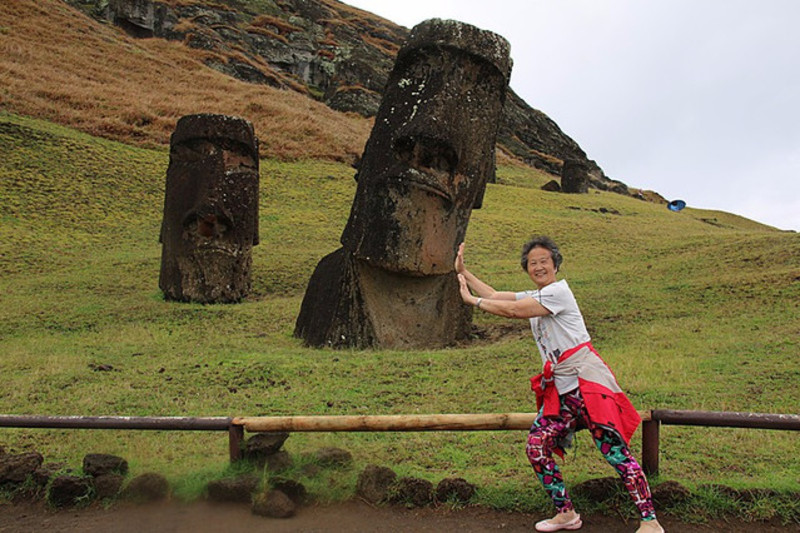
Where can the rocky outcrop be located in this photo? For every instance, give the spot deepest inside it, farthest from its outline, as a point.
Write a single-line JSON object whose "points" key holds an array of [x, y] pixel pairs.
{"points": [[327, 50]]}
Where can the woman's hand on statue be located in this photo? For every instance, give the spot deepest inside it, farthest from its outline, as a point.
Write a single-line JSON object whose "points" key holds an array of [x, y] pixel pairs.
{"points": [[464, 290], [459, 264]]}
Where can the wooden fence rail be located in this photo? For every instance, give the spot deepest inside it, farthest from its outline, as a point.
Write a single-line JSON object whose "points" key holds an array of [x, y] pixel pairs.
{"points": [[652, 421], [651, 427], [165, 423]]}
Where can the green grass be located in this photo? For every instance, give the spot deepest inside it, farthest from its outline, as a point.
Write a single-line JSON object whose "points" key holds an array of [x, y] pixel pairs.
{"points": [[690, 314]]}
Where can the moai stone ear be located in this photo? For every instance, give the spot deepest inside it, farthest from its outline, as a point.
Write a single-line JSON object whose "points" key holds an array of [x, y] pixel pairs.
{"points": [[424, 168], [210, 219]]}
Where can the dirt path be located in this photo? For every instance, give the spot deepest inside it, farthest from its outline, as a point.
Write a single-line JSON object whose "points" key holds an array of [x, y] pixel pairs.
{"points": [[349, 517]]}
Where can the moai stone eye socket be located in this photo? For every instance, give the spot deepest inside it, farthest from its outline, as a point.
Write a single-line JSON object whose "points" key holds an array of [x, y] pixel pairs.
{"points": [[209, 225], [426, 153]]}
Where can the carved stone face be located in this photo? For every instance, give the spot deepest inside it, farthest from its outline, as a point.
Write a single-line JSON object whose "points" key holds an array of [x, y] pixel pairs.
{"points": [[210, 210], [431, 151]]}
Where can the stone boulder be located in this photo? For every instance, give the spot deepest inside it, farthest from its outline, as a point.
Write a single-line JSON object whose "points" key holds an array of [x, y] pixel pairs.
{"points": [[148, 487], [262, 445], [107, 486], [15, 469], [551, 186], [136, 17], [356, 99], [68, 491], [274, 504], [295, 490], [239, 489], [412, 492], [98, 464], [375, 483], [46, 472], [454, 489]]}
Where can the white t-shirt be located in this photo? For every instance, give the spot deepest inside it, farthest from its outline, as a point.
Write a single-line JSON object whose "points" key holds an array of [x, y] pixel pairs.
{"points": [[563, 328]]}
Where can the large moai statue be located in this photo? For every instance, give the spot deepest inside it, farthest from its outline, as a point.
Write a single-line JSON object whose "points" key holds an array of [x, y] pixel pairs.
{"points": [[210, 222], [424, 168]]}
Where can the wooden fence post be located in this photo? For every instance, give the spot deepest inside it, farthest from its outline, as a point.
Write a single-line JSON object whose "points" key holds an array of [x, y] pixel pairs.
{"points": [[650, 431], [235, 438]]}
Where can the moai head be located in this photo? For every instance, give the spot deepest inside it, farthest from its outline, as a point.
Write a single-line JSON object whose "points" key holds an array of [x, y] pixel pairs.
{"points": [[210, 220], [432, 149], [575, 176]]}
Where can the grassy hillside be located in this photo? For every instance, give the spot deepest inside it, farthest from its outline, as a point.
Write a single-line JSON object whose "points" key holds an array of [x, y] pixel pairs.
{"points": [[693, 310]]}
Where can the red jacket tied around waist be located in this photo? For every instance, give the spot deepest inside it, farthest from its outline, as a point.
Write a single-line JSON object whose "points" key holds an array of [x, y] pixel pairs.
{"points": [[606, 403]]}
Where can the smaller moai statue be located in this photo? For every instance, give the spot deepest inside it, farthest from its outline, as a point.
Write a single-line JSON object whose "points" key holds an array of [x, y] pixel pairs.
{"points": [[575, 176], [210, 222]]}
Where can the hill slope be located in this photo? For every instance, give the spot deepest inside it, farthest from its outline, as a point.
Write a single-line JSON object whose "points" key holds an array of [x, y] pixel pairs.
{"points": [[60, 65], [93, 76]]}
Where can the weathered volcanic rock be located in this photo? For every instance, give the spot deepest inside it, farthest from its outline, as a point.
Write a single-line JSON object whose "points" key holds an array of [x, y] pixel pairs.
{"points": [[274, 504], [97, 464], [375, 483], [17, 468]]}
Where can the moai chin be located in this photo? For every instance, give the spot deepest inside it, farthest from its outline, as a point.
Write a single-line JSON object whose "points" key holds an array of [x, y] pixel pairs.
{"points": [[424, 168], [210, 222]]}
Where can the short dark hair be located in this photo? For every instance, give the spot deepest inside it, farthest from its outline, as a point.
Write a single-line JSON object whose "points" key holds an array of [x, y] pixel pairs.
{"points": [[542, 242]]}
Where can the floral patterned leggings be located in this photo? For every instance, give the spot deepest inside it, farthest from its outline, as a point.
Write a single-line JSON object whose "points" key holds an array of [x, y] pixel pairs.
{"points": [[545, 435]]}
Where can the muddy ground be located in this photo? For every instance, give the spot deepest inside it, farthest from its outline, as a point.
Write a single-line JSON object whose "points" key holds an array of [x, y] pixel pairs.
{"points": [[356, 516]]}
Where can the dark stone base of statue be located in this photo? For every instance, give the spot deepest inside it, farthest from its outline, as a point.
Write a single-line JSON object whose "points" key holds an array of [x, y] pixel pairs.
{"points": [[349, 304]]}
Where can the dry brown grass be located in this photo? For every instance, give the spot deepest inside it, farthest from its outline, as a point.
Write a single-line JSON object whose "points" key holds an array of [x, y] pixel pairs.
{"points": [[387, 47], [354, 13], [547, 157], [267, 33], [59, 65], [355, 87], [281, 25]]}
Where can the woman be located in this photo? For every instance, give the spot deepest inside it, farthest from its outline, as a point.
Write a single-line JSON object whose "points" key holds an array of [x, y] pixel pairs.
{"points": [[576, 390]]}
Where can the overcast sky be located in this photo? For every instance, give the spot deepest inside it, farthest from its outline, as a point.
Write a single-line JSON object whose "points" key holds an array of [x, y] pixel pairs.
{"points": [[695, 99]]}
